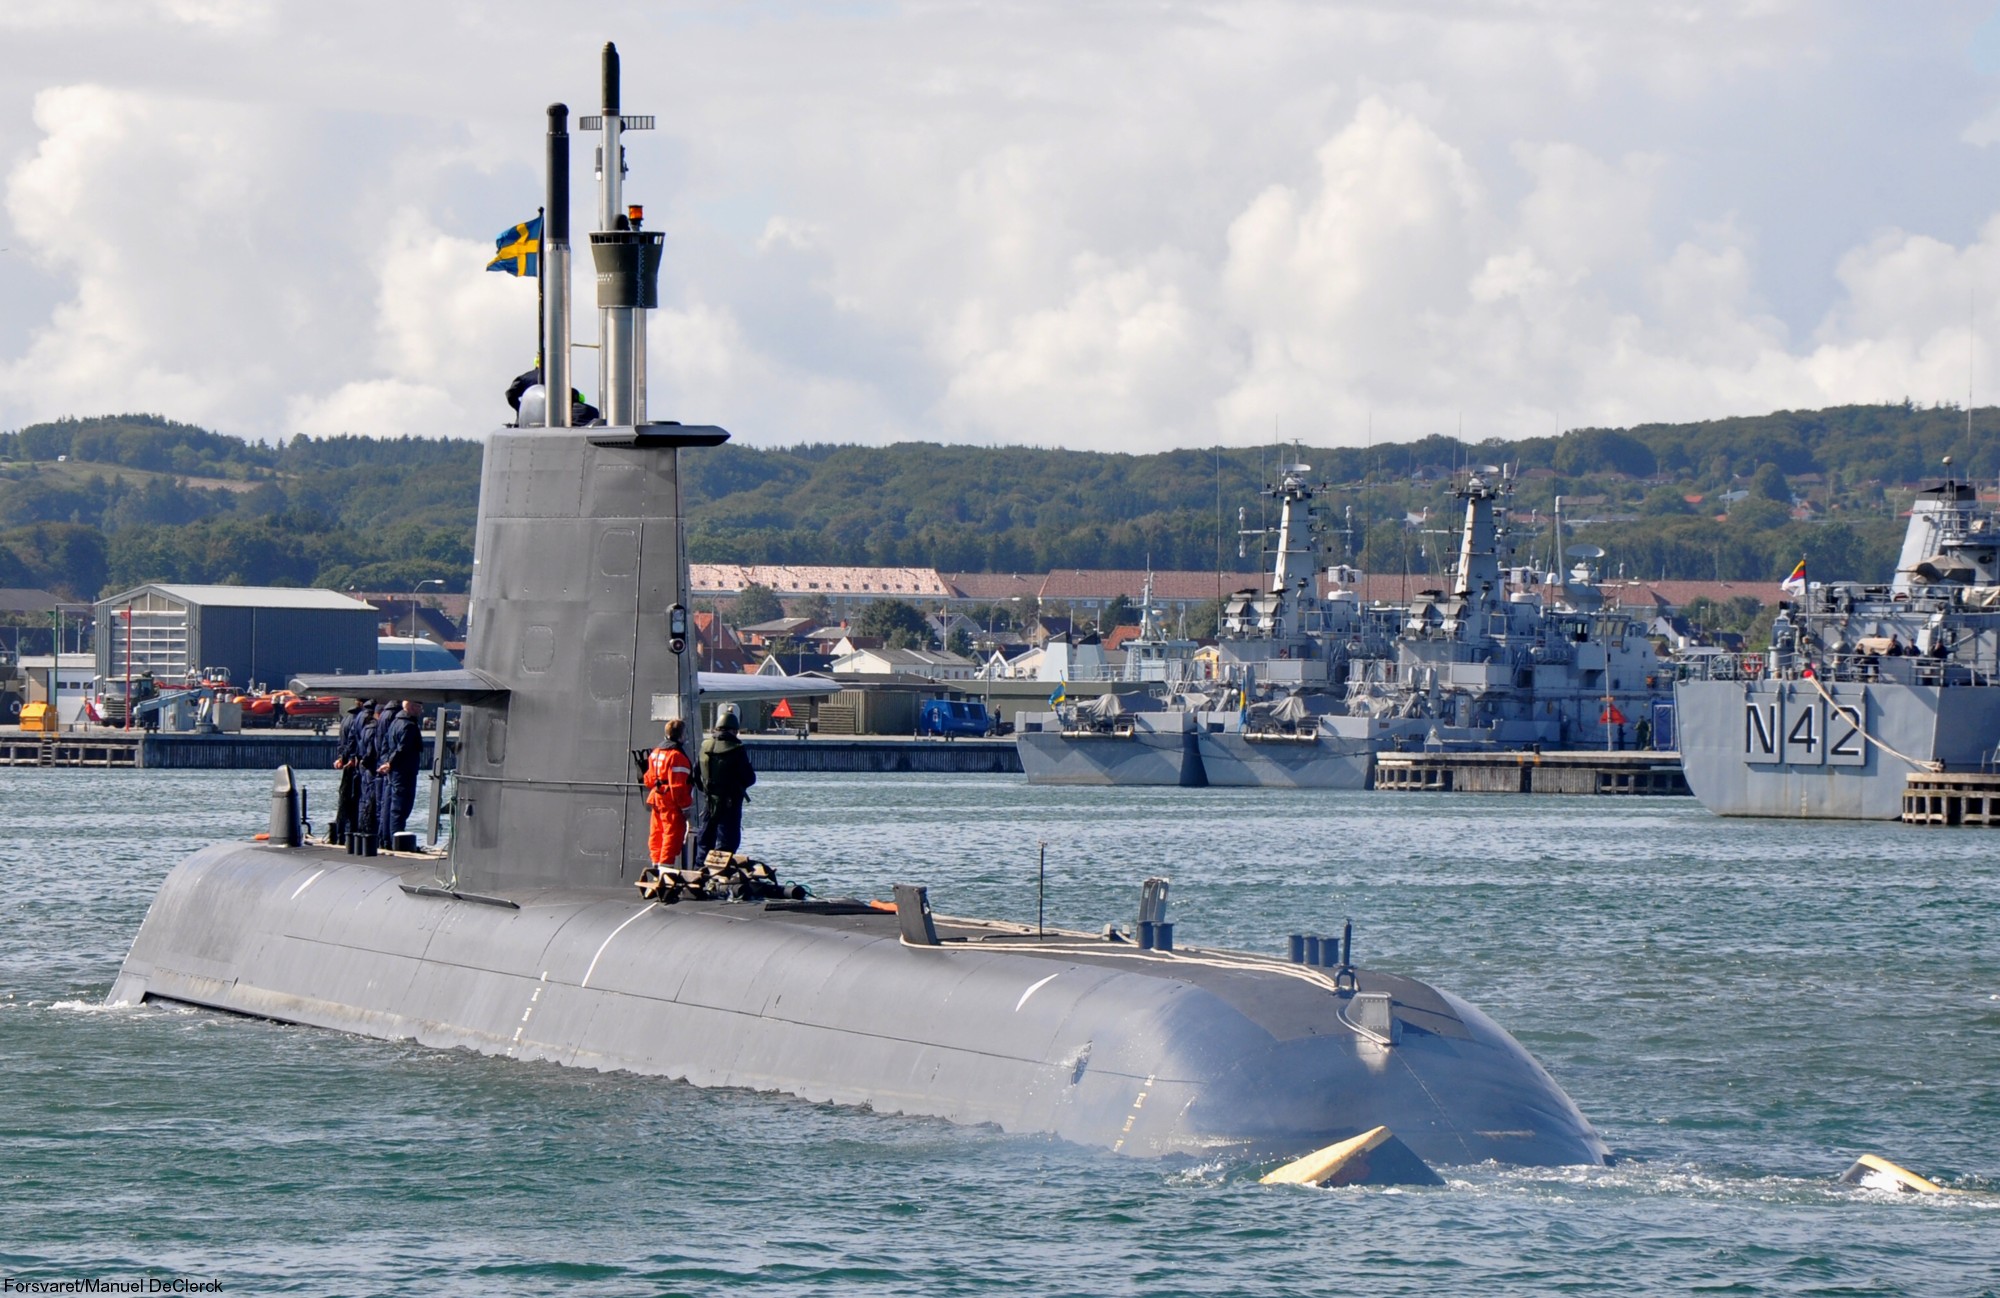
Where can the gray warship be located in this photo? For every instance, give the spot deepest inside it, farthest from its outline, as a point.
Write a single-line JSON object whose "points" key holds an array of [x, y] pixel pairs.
{"points": [[1507, 658], [1254, 715], [1288, 652], [527, 940], [1862, 686], [1142, 734]]}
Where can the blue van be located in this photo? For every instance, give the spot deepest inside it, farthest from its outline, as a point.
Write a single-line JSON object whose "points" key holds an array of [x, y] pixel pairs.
{"points": [[951, 718]]}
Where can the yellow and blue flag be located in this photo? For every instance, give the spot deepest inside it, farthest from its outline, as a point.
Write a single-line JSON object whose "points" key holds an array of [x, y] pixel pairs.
{"points": [[520, 249], [1060, 695]]}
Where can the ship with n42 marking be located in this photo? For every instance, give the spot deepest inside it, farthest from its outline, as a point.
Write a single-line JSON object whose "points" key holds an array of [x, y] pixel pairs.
{"points": [[1863, 685]]}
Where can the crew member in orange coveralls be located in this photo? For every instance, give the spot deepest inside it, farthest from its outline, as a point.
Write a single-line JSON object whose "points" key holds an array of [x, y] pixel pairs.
{"points": [[669, 792]]}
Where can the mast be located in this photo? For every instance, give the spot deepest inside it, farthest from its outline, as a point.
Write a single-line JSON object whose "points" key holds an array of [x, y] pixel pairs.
{"points": [[555, 273], [627, 260]]}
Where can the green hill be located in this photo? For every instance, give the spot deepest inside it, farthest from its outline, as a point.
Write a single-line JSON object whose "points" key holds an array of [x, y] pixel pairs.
{"points": [[93, 504]]}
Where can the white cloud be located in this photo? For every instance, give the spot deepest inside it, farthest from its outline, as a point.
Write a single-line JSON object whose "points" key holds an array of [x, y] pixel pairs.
{"points": [[1107, 226], [1123, 361]]}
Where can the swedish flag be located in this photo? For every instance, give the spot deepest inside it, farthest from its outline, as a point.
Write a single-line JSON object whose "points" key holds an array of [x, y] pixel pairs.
{"points": [[520, 248]]}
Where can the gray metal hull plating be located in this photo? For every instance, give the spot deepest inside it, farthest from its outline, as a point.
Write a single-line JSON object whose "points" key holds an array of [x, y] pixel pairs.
{"points": [[1140, 757], [1324, 762], [1743, 744], [1138, 1052]]}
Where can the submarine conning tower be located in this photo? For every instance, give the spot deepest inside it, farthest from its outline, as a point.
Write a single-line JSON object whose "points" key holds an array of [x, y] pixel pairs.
{"points": [[578, 617]]}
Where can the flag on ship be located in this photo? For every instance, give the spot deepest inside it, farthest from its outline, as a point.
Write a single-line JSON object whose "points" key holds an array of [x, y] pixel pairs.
{"points": [[1612, 716], [519, 248], [1060, 695], [1796, 583]]}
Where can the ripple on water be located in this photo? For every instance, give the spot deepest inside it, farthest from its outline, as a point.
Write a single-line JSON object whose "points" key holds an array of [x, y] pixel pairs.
{"points": [[1741, 1008]]}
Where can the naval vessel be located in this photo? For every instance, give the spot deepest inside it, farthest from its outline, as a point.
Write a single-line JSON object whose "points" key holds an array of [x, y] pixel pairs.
{"points": [[1863, 685], [1250, 713], [527, 939], [1507, 658]]}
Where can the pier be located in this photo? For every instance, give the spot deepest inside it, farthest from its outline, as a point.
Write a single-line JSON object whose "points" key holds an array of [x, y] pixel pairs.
{"points": [[267, 750], [1952, 798], [83, 748], [143, 750], [1578, 773]]}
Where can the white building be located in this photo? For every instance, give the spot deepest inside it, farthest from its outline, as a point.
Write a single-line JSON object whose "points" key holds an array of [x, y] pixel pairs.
{"points": [[927, 663]]}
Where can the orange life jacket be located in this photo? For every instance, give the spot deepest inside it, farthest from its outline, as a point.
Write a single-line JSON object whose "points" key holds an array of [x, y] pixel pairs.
{"points": [[670, 777]]}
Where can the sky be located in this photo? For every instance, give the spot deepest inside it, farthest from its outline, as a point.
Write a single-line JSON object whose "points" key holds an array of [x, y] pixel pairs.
{"points": [[1108, 226]]}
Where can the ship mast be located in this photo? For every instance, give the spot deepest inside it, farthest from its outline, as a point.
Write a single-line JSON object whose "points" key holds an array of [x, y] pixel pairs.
{"points": [[627, 260]]}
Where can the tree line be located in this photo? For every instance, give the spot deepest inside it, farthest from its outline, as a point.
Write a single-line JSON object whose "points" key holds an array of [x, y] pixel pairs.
{"points": [[90, 505]]}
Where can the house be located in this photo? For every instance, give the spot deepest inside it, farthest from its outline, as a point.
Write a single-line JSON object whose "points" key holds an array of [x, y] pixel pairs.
{"points": [[928, 664], [716, 646], [846, 587], [783, 628], [850, 644], [28, 599], [794, 662], [824, 638], [801, 663], [1115, 638], [945, 625], [1046, 628]]}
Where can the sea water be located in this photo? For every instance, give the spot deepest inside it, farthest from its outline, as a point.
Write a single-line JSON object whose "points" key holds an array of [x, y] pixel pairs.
{"points": [[1741, 1007]]}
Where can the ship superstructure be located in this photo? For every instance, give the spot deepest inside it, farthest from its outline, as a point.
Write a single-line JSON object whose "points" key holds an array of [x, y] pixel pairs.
{"points": [[1863, 685], [1506, 658], [1249, 712]]}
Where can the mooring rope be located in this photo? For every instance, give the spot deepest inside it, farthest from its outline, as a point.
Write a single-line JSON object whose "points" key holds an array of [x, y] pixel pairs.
{"points": [[1861, 729]]}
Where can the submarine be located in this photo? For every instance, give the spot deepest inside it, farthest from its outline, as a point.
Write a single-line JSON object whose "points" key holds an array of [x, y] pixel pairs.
{"points": [[525, 938]]}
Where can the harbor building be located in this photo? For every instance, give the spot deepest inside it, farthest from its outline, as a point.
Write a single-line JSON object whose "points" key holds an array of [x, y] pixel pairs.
{"points": [[255, 633]]}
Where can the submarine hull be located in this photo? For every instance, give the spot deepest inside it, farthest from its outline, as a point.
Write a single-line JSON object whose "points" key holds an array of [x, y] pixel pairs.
{"points": [[1149, 1054]]}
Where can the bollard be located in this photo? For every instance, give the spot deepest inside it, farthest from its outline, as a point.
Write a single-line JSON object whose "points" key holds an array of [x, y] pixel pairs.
{"points": [[1146, 927], [1298, 948], [1163, 936], [1312, 949]]}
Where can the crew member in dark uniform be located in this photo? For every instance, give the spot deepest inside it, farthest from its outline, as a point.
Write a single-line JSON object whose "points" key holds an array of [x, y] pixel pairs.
{"points": [[347, 760], [368, 752], [581, 412], [401, 753], [726, 776]]}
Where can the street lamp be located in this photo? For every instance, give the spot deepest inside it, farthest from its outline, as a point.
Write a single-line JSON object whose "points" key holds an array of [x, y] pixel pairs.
{"points": [[434, 581]]}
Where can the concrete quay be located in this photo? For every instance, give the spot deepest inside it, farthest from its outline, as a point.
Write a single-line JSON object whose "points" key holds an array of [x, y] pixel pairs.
{"points": [[269, 749], [1588, 773]]}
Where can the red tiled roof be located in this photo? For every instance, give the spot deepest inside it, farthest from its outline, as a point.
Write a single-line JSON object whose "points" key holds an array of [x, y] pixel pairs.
{"points": [[993, 586], [812, 579], [1679, 594]]}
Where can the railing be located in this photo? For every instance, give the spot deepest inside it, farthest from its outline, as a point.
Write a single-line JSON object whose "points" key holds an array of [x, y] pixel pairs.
{"points": [[1840, 668]]}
